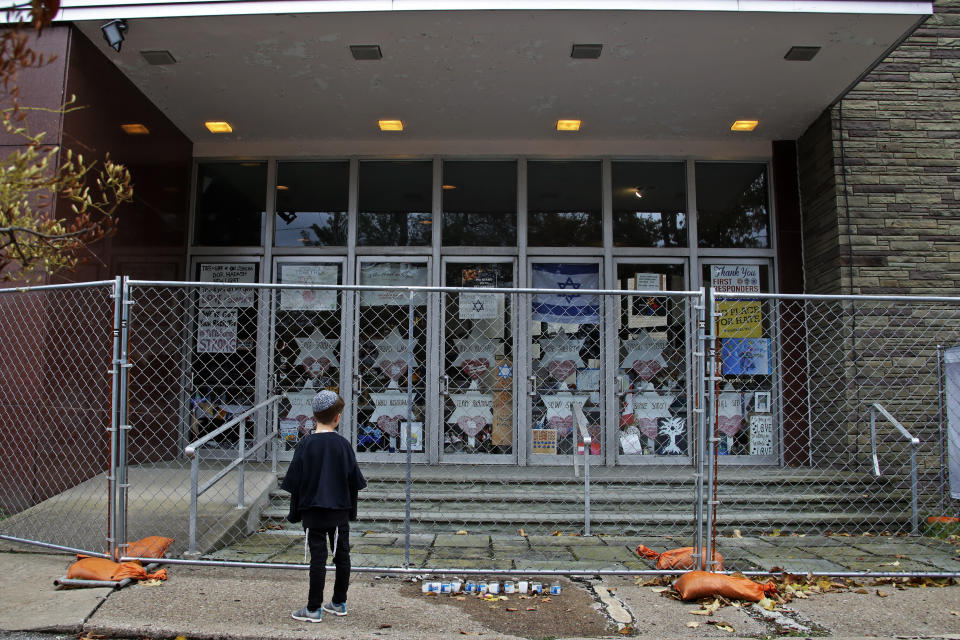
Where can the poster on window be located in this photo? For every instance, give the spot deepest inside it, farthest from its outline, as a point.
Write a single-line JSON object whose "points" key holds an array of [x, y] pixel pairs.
{"points": [[745, 356], [216, 331], [543, 441], [416, 436], [308, 299], [231, 272], [569, 306], [392, 274], [735, 278], [761, 434], [740, 318]]}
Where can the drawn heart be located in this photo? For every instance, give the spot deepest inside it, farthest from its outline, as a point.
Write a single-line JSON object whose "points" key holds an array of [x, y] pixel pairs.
{"points": [[729, 425], [316, 365], [561, 369], [563, 425], [309, 295], [648, 427], [390, 424], [646, 369], [304, 424], [471, 425], [393, 369], [475, 368]]}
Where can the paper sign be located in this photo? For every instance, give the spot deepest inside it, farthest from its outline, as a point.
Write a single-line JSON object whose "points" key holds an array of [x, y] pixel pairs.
{"points": [[308, 299], [740, 318], [234, 272], [216, 331], [544, 441], [761, 434], [746, 356], [416, 436], [393, 274], [735, 278]]}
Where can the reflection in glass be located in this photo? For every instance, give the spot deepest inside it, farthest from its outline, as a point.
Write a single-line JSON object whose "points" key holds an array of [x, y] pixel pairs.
{"points": [[732, 205], [395, 205], [478, 363], [312, 204], [649, 204], [564, 204], [480, 204], [651, 362], [231, 200]]}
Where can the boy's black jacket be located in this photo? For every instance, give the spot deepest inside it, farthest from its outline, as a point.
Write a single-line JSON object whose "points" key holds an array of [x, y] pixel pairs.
{"points": [[323, 475]]}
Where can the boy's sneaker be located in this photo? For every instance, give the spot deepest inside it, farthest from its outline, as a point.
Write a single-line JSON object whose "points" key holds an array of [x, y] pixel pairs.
{"points": [[305, 615], [335, 609]]}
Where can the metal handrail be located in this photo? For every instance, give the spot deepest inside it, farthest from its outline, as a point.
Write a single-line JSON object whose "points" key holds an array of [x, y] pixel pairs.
{"points": [[914, 444], [242, 452], [584, 431]]}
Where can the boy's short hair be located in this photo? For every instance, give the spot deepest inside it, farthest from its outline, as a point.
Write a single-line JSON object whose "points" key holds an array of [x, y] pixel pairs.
{"points": [[327, 405]]}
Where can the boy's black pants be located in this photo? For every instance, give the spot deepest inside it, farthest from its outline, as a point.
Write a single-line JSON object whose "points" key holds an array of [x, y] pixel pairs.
{"points": [[317, 539]]}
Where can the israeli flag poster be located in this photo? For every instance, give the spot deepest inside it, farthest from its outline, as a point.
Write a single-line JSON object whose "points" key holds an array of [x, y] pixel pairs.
{"points": [[570, 308]]}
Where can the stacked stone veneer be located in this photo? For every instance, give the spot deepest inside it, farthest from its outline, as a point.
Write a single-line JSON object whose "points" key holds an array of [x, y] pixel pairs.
{"points": [[880, 192]]}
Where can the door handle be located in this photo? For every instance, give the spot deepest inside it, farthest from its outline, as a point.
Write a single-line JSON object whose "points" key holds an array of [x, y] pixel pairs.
{"points": [[533, 386], [445, 384], [357, 384]]}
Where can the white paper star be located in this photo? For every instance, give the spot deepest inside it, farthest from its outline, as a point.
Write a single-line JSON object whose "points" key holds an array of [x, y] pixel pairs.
{"points": [[317, 352], [476, 348], [644, 355], [649, 406], [301, 410], [560, 409], [561, 343], [391, 409], [393, 355], [473, 411]]}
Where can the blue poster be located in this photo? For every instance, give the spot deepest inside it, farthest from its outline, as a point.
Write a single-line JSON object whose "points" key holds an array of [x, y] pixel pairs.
{"points": [[746, 356]]}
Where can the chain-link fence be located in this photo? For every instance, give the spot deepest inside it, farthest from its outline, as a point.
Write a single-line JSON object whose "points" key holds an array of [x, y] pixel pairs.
{"points": [[460, 405]]}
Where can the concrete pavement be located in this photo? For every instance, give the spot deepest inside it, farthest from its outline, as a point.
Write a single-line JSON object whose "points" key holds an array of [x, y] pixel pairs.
{"points": [[217, 602]]}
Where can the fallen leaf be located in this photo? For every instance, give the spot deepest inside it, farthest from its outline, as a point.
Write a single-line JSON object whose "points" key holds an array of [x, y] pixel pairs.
{"points": [[468, 633], [531, 608], [385, 626], [461, 532], [699, 612], [713, 606], [557, 533], [955, 613], [863, 591], [693, 625], [545, 600], [895, 563], [460, 598], [626, 630], [511, 608], [522, 533], [767, 604], [152, 583], [659, 589], [736, 533], [881, 593], [721, 625]]}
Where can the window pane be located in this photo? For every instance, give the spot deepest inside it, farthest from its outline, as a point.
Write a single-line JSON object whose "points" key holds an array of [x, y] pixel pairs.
{"points": [[563, 204], [732, 209], [649, 204], [395, 204], [312, 204], [480, 204], [230, 204]]}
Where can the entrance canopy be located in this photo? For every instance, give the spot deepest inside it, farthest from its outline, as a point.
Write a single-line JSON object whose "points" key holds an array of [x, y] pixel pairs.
{"points": [[494, 77]]}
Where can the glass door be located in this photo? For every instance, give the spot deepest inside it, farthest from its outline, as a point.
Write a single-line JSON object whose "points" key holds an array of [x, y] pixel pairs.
{"points": [[477, 383], [652, 364], [307, 330], [384, 364], [564, 358]]}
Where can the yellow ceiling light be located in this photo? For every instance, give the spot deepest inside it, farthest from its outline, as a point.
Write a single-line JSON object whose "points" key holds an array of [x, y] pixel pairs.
{"points": [[568, 125], [218, 126], [282, 187], [448, 187], [744, 125], [390, 125], [135, 129]]}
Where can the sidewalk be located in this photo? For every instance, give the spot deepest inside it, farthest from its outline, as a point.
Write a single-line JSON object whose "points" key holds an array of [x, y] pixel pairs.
{"points": [[214, 602]]}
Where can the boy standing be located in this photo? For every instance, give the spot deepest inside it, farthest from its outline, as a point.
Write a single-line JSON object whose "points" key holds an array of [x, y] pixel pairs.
{"points": [[323, 481]]}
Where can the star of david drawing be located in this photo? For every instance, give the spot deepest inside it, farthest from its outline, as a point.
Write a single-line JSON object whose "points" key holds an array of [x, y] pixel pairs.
{"points": [[568, 283], [478, 305], [504, 371]]}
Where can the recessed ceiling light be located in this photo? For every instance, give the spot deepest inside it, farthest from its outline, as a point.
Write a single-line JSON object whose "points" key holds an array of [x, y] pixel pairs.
{"points": [[366, 52], [390, 125], [250, 164], [448, 187], [801, 54], [568, 125], [744, 125], [637, 192], [282, 187], [218, 126], [159, 57], [586, 51], [135, 129]]}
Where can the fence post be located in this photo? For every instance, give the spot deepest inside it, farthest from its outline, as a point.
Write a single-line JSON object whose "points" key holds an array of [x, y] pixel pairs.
{"points": [[117, 296], [710, 422], [124, 426], [410, 345], [700, 349]]}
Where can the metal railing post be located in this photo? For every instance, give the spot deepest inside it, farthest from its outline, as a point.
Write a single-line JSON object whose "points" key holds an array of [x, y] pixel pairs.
{"points": [[700, 412], [194, 498], [241, 445], [914, 444], [583, 430], [410, 345], [123, 485], [914, 489], [710, 367], [114, 421]]}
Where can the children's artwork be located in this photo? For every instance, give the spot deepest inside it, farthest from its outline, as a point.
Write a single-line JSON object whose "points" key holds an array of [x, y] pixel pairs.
{"points": [[746, 356], [761, 402], [761, 434], [289, 430], [560, 410], [228, 272], [644, 356], [649, 407], [504, 379], [308, 299], [416, 436], [543, 441], [476, 354], [740, 318], [394, 356], [561, 355], [671, 436], [589, 380], [501, 434], [566, 307], [301, 410], [317, 353], [217, 330], [391, 407], [369, 436], [472, 412], [729, 411], [630, 443]]}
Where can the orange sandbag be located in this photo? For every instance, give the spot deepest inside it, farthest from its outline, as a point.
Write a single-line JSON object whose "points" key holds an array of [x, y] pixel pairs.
{"points": [[704, 584], [681, 558], [149, 547], [103, 569]]}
